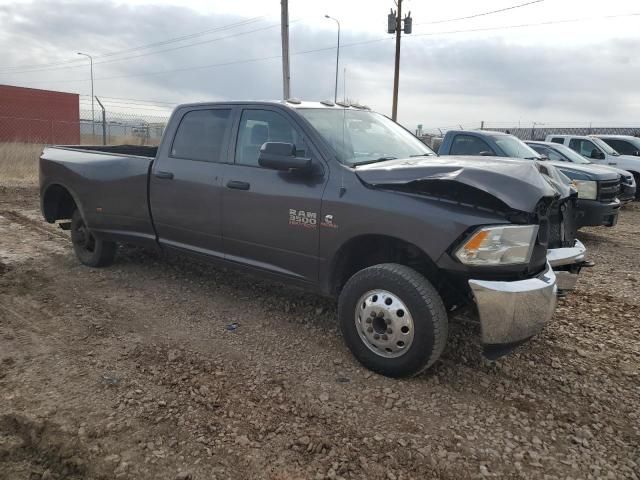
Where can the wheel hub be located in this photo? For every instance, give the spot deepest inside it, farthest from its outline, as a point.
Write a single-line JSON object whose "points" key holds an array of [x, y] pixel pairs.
{"points": [[384, 323]]}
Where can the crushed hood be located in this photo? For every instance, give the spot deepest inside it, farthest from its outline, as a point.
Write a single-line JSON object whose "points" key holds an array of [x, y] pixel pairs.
{"points": [[516, 183]]}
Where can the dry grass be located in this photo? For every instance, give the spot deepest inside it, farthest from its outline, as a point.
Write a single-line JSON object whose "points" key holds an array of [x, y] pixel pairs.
{"points": [[19, 162]]}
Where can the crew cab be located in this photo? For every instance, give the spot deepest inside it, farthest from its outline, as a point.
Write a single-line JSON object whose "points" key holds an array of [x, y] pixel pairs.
{"points": [[337, 199], [561, 153], [597, 190], [600, 152]]}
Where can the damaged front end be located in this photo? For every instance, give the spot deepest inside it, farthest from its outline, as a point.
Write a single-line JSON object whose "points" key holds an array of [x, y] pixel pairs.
{"points": [[514, 301]]}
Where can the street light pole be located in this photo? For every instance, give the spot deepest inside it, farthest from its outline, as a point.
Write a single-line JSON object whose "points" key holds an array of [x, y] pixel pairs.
{"points": [[93, 116], [335, 94]]}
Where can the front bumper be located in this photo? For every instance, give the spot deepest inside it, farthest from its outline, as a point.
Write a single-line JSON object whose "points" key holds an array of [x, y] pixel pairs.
{"points": [[627, 192], [511, 312], [593, 213], [566, 263]]}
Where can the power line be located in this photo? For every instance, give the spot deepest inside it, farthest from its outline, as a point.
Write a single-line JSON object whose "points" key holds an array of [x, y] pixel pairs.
{"points": [[78, 64], [526, 25], [482, 14], [39, 67], [150, 53], [346, 45]]}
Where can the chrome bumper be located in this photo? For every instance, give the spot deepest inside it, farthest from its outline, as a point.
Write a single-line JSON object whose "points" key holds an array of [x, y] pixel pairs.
{"points": [[511, 312], [560, 258]]}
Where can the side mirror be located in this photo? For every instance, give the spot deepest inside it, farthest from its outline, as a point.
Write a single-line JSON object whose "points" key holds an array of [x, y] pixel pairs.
{"points": [[282, 156], [597, 154], [636, 153]]}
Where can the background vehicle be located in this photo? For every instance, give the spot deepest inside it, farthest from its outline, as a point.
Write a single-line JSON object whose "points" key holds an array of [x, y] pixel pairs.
{"points": [[623, 144], [560, 153], [599, 152], [597, 189], [338, 200]]}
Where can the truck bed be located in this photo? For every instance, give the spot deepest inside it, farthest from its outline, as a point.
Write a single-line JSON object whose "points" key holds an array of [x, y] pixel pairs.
{"points": [[109, 184]]}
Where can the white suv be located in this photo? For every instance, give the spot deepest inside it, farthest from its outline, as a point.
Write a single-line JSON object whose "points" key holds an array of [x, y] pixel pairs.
{"points": [[598, 151]]}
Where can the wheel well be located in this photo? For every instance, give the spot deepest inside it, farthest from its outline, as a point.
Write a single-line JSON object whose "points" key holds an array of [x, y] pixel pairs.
{"points": [[367, 250], [57, 203]]}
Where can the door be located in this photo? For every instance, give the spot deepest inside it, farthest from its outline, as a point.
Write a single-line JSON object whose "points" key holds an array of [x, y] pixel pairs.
{"points": [[271, 218], [186, 181]]}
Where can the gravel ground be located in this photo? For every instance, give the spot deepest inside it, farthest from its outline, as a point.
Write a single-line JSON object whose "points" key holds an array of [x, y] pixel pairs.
{"points": [[165, 369]]}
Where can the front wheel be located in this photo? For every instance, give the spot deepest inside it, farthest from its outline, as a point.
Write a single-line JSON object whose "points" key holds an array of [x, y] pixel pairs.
{"points": [[393, 320], [91, 251]]}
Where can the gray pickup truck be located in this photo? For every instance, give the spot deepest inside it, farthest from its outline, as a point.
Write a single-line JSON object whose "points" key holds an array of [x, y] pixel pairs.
{"points": [[337, 199]]}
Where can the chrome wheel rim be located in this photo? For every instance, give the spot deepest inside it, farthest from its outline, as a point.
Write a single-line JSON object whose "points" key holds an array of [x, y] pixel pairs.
{"points": [[384, 323]]}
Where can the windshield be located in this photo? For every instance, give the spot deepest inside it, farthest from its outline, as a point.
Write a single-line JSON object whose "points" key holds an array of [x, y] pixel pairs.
{"points": [[572, 155], [604, 146], [514, 147], [360, 137]]}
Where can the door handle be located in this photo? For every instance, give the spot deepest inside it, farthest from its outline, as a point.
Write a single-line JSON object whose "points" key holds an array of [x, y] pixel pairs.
{"points": [[164, 175], [238, 185]]}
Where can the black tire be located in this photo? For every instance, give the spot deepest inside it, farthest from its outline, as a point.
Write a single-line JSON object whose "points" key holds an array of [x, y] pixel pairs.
{"points": [[91, 251], [429, 318]]}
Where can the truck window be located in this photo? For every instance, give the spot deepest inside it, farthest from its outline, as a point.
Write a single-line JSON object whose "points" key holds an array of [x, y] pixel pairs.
{"points": [[201, 135], [550, 153], [469, 145], [260, 126], [583, 146], [621, 146], [559, 140]]}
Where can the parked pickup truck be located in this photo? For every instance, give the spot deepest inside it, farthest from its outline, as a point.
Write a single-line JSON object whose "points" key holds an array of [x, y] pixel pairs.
{"points": [[597, 189], [600, 152], [338, 199], [561, 153]]}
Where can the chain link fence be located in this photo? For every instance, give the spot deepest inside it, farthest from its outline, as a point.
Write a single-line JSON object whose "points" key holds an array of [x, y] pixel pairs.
{"points": [[117, 128], [22, 137]]}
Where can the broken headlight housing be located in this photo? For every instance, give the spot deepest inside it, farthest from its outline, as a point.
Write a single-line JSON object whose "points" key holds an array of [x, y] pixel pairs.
{"points": [[500, 245]]}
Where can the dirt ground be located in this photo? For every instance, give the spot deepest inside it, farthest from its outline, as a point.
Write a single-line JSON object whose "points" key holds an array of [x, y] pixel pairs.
{"points": [[165, 369]]}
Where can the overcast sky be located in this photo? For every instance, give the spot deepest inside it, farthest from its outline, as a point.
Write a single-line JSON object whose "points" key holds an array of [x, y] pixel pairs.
{"points": [[453, 72]]}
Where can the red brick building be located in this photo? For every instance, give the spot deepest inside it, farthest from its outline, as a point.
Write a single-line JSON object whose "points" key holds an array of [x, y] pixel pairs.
{"points": [[30, 115]]}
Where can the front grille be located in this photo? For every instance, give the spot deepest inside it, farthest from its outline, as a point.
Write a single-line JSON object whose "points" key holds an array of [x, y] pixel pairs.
{"points": [[608, 190]]}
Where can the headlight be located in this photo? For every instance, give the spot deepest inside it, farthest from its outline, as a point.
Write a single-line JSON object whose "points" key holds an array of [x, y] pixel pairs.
{"points": [[587, 189], [504, 245]]}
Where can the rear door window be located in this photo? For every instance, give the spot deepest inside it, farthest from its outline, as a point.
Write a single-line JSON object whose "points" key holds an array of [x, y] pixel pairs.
{"points": [[202, 135], [470, 145], [559, 140]]}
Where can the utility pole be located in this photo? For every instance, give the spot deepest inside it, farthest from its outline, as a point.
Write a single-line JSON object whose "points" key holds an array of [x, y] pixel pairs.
{"points": [[395, 26], [284, 27], [93, 116]]}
